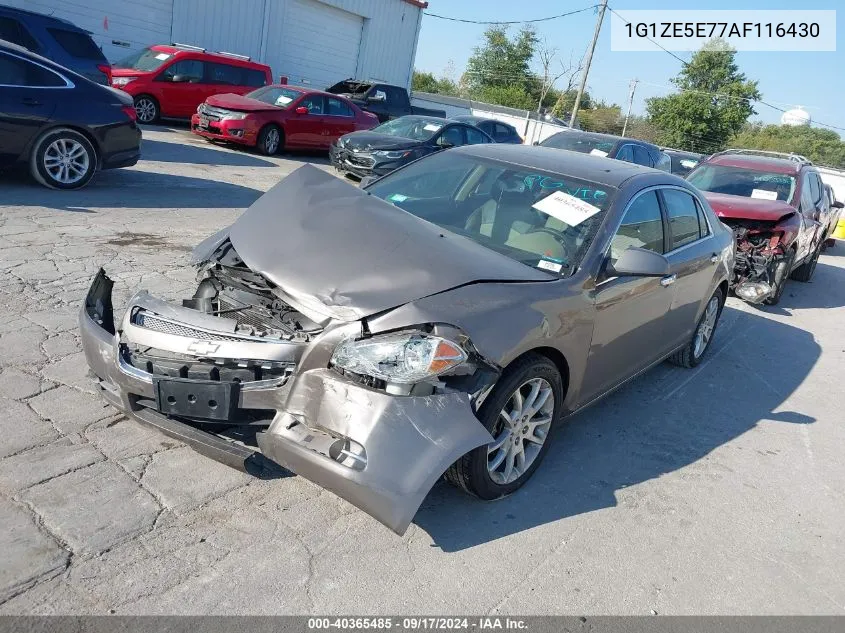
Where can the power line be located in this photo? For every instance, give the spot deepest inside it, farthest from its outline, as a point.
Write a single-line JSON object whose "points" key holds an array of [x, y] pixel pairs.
{"points": [[666, 50], [551, 17]]}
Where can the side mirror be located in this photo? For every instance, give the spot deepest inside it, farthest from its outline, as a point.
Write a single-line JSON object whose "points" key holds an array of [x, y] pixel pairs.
{"points": [[301, 110], [375, 98], [180, 79], [639, 262], [838, 205]]}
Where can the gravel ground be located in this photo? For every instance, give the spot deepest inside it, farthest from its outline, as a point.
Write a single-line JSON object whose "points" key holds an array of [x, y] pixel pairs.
{"points": [[717, 490]]}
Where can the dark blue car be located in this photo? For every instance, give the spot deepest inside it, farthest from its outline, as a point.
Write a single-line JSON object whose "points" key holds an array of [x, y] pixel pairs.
{"points": [[57, 40]]}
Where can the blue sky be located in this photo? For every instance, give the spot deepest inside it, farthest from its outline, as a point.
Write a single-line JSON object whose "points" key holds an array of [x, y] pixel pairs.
{"points": [[812, 80]]}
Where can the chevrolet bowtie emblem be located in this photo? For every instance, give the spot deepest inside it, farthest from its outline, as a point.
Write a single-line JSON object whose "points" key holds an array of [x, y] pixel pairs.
{"points": [[201, 348]]}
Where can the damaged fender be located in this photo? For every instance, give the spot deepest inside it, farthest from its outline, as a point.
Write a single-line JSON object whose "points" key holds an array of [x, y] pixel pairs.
{"points": [[381, 453]]}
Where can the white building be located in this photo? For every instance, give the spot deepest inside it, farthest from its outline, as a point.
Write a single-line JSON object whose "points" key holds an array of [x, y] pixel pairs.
{"points": [[312, 42]]}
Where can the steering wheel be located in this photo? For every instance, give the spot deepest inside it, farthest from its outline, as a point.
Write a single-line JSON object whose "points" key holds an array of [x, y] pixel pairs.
{"points": [[556, 235]]}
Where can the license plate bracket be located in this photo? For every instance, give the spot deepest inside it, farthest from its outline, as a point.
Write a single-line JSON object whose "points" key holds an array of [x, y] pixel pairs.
{"points": [[201, 399], [204, 121]]}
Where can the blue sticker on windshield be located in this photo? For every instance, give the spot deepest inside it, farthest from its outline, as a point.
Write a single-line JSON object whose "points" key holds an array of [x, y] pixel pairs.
{"points": [[546, 182]]}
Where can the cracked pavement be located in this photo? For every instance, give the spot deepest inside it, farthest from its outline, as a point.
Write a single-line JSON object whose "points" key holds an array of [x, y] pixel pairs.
{"points": [[719, 490]]}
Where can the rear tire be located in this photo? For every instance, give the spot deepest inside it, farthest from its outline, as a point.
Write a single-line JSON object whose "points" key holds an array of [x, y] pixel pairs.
{"points": [[63, 159], [147, 110], [693, 352], [477, 472], [271, 140], [805, 271]]}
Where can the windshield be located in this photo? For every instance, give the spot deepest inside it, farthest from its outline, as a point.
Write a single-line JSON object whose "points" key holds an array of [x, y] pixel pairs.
{"points": [[541, 219], [276, 96], [578, 143], [682, 164], [144, 60], [417, 128], [739, 181]]}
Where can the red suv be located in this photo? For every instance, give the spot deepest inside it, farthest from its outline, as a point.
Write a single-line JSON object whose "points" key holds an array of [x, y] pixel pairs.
{"points": [[776, 205], [171, 81]]}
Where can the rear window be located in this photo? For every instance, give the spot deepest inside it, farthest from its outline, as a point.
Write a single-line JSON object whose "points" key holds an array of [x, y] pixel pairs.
{"points": [[15, 32], [77, 44], [230, 75], [144, 60], [579, 143]]}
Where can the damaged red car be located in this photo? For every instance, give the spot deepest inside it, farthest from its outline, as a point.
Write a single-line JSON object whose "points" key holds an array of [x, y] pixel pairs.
{"points": [[776, 206]]}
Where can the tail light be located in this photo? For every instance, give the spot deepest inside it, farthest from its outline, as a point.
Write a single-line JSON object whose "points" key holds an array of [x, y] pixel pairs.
{"points": [[129, 111], [106, 70]]}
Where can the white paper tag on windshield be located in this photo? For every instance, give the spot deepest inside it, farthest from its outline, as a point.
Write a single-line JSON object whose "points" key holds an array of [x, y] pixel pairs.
{"points": [[689, 164], [162, 56], [566, 208], [597, 152], [547, 265], [283, 100], [764, 195], [431, 127]]}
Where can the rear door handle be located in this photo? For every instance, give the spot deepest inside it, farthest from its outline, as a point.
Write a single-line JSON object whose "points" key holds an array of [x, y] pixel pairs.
{"points": [[30, 101], [668, 280]]}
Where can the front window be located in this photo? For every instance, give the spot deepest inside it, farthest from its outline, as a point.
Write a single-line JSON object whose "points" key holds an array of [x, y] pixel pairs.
{"points": [[741, 181], [416, 128], [541, 219], [281, 97], [144, 60], [579, 143]]}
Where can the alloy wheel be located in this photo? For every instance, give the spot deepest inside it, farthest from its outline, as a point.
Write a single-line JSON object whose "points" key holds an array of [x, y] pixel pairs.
{"points": [[705, 329], [145, 110], [271, 141], [521, 430], [66, 161]]}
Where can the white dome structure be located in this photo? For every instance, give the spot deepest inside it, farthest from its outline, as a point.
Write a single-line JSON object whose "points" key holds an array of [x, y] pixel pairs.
{"points": [[795, 117]]}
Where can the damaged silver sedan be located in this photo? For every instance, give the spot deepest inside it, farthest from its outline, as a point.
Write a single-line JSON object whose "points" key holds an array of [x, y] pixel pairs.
{"points": [[440, 321]]}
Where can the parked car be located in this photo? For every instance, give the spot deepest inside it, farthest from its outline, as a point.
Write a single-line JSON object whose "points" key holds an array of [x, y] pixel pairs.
{"points": [[497, 130], [835, 214], [384, 100], [60, 124], [628, 149], [440, 320], [58, 40], [682, 162], [171, 81], [278, 117], [398, 142], [776, 205], [835, 178]]}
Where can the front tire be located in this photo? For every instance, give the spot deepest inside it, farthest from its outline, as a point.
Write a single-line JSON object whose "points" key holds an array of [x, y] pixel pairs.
{"points": [[63, 159], [781, 275], [146, 109], [519, 414], [693, 352], [270, 140], [805, 271]]}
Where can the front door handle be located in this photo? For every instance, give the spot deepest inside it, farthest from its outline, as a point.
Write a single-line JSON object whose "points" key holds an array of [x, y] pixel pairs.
{"points": [[714, 258], [668, 280]]}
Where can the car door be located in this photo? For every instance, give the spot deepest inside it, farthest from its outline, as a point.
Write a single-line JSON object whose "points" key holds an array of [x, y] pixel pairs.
{"points": [[693, 260], [629, 325], [221, 78], [306, 130], [450, 136], [29, 95], [474, 136], [809, 213], [625, 153], [642, 156], [180, 87], [339, 119]]}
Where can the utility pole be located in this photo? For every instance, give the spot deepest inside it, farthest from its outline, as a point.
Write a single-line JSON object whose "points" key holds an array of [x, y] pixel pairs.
{"points": [[634, 83], [587, 63]]}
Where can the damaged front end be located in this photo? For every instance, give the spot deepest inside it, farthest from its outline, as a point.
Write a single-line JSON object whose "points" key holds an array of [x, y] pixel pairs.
{"points": [[762, 257], [376, 419]]}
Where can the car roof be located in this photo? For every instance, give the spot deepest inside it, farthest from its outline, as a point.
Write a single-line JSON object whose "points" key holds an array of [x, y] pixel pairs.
{"points": [[43, 16], [599, 136], [177, 50], [757, 163], [605, 171], [470, 118], [425, 117]]}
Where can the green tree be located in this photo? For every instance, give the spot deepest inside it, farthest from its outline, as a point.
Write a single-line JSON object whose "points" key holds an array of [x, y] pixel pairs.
{"points": [[427, 82], [819, 145], [711, 105], [602, 118], [566, 100], [500, 68]]}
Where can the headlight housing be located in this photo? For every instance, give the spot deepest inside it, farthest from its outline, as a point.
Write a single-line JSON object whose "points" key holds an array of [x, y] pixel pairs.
{"points": [[393, 155], [235, 116], [403, 357]]}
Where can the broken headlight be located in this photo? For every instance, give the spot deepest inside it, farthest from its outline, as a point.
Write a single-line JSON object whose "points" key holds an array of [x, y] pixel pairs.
{"points": [[404, 357]]}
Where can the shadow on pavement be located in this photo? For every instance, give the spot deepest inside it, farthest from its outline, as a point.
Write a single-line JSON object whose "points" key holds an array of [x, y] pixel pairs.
{"points": [[639, 433], [129, 188], [185, 152]]}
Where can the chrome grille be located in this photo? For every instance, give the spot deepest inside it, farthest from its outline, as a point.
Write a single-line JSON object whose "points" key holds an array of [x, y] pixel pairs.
{"points": [[151, 322], [363, 161], [213, 113]]}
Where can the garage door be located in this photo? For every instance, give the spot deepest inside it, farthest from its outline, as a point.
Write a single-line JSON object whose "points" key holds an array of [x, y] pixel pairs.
{"points": [[319, 43], [119, 27]]}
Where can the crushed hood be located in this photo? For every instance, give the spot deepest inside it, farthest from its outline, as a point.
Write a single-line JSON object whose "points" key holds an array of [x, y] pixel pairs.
{"points": [[740, 207], [365, 140], [237, 102], [348, 254]]}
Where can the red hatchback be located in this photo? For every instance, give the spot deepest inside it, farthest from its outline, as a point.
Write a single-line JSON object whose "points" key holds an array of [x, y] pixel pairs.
{"points": [[278, 117], [171, 81]]}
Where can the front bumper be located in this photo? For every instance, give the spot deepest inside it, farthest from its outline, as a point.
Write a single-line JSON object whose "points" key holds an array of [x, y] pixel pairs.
{"points": [[234, 131], [360, 166], [381, 452]]}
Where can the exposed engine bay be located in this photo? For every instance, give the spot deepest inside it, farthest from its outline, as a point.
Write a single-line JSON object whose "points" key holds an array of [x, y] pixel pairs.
{"points": [[759, 253]]}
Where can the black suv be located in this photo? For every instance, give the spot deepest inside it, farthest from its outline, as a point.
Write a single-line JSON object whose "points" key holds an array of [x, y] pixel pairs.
{"points": [[628, 149], [58, 40]]}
